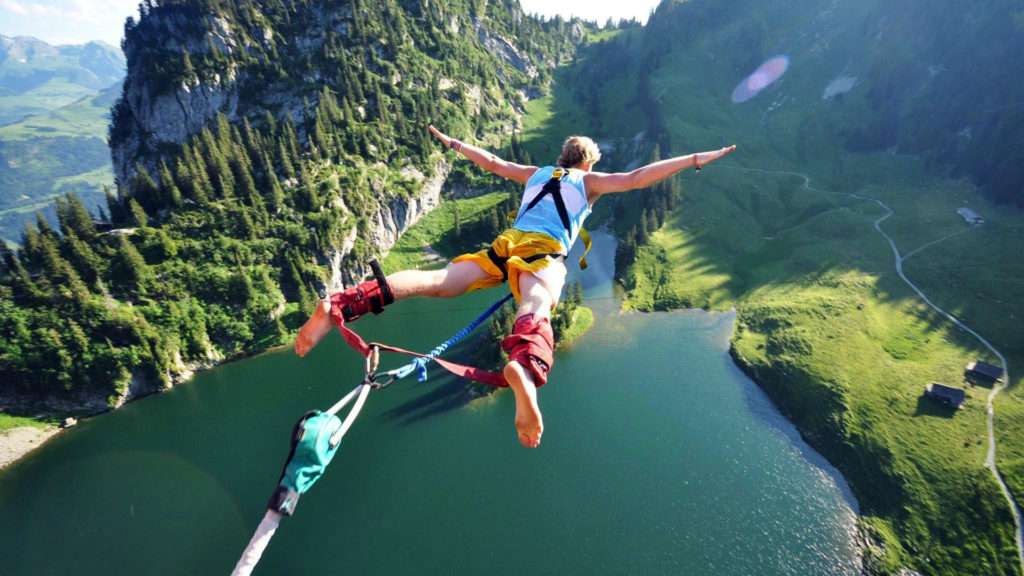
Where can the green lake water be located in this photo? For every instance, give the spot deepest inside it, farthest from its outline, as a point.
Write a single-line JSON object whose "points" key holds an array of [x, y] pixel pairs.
{"points": [[659, 457]]}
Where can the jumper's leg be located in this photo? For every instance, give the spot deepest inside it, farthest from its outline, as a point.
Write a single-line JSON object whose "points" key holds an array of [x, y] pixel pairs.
{"points": [[538, 299], [529, 422], [453, 280]]}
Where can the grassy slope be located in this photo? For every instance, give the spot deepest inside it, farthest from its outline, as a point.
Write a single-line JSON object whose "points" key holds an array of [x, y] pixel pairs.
{"points": [[54, 94], [838, 340], [826, 326], [436, 229], [51, 154]]}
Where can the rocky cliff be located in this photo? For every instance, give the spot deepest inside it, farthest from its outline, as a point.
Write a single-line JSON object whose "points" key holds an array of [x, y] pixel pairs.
{"points": [[192, 65]]}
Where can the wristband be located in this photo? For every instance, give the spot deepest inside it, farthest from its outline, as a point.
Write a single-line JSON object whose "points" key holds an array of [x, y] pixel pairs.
{"points": [[455, 144], [696, 167]]}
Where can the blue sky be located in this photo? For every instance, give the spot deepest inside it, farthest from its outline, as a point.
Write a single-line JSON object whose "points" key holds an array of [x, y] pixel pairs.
{"points": [[79, 21], [67, 21]]}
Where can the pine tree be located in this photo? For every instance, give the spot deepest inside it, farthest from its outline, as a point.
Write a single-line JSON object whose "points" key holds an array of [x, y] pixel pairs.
{"points": [[30, 246], [189, 71], [168, 189], [202, 186], [642, 230], [274, 192], [83, 258], [286, 164], [60, 272], [118, 214], [74, 218], [128, 267], [137, 216], [22, 286], [458, 222], [144, 189], [45, 230], [271, 124]]}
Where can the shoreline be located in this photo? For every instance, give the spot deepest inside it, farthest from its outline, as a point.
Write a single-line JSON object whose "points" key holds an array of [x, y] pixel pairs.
{"points": [[17, 443]]}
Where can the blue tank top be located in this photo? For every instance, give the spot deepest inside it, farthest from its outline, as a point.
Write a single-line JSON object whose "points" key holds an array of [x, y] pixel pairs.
{"points": [[543, 217]]}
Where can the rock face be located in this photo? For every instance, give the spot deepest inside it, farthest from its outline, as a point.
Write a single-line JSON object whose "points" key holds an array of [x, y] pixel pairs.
{"points": [[392, 219], [504, 49], [197, 65], [152, 116]]}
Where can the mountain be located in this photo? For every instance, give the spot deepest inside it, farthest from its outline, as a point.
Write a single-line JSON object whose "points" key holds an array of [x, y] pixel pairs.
{"points": [[54, 114], [52, 154], [258, 61], [262, 153], [36, 77], [845, 186]]}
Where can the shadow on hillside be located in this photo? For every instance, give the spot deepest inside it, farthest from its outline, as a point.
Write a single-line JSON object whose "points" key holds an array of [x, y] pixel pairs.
{"points": [[927, 406]]}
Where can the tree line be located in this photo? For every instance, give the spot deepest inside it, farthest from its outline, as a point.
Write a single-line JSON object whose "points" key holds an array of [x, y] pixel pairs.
{"points": [[201, 252]]}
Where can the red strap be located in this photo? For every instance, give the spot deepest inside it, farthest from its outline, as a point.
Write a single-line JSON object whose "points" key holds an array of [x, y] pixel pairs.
{"points": [[475, 374]]}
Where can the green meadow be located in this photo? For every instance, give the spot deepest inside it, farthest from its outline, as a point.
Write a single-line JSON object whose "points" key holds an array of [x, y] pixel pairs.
{"points": [[51, 154], [844, 347]]}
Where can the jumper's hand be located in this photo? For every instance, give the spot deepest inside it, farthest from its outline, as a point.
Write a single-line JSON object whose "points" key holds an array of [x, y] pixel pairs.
{"points": [[702, 158], [444, 138]]}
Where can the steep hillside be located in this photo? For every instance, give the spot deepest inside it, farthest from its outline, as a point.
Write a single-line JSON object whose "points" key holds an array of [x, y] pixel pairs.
{"points": [[262, 153], [824, 323]]}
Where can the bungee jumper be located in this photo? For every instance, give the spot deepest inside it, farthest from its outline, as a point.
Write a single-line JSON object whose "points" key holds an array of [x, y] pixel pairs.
{"points": [[529, 256]]}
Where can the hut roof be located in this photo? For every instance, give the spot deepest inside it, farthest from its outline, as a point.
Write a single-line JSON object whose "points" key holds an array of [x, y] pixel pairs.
{"points": [[985, 369], [954, 396]]}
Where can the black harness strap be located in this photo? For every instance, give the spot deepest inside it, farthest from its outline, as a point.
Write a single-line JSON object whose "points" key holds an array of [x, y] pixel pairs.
{"points": [[554, 188], [502, 263], [377, 303]]}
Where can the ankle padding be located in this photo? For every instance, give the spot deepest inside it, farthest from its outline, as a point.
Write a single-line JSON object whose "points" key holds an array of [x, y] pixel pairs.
{"points": [[532, 345], [370, 296]]}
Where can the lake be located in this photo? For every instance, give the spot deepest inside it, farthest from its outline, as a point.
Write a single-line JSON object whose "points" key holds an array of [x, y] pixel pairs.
{"points": [[659, 456]]}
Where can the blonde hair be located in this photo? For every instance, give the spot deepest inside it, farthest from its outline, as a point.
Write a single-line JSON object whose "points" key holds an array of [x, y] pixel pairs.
{"points": [[578, 150]]}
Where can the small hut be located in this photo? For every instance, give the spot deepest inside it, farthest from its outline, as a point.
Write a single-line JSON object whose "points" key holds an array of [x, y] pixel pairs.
{"points": [[970, 216], [985, 371], [953, 397]]}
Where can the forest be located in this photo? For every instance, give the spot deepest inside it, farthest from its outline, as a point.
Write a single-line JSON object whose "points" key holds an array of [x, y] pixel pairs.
{"points": [[204, 242], [197, 253]]}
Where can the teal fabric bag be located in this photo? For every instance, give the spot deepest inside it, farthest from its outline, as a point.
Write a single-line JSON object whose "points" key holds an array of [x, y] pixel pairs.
{"points": [[311, 453]]}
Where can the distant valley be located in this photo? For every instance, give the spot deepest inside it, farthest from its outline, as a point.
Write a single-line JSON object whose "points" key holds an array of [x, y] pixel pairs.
{"points": [[54, 112]]}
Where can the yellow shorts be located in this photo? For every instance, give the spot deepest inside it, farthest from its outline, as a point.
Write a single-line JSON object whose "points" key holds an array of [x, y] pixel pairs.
{"points": [[515, 245]]}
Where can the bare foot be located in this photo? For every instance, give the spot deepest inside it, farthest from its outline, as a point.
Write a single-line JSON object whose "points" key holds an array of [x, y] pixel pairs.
{"points": [[314, 330], [528, 418]]}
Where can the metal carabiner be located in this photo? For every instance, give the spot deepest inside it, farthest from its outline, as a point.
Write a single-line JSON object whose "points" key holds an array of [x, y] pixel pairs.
{"points": [[372, 360], [379, 385]]}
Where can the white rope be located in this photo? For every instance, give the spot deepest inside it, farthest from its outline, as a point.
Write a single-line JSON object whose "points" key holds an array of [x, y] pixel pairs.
{"points": [[265, 531], [363, 390], [251, 555]]}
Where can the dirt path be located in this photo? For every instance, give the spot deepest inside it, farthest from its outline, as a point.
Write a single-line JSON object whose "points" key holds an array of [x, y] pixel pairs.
{"points": [[990, 460]]}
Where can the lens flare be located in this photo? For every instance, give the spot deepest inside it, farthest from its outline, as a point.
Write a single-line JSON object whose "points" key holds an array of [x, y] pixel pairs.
{"points": [[766, 73]]}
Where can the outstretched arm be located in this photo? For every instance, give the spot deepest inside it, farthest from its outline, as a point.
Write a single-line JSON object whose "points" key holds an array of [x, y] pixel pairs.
{"points": [[486, 160], [599, 183]]}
